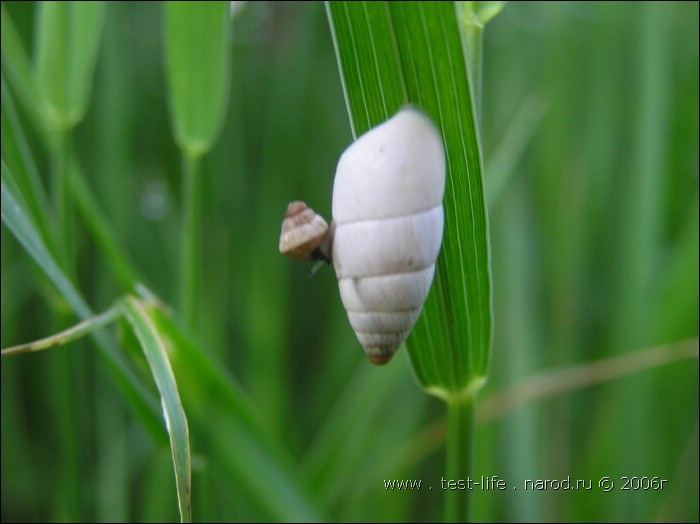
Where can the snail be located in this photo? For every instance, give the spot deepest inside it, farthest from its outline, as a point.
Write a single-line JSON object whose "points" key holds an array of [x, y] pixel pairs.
{"points": [[304, 234], [386, 231]]}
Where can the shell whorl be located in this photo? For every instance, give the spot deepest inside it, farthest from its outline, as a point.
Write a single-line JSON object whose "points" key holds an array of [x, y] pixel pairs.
{"points": [[387, 208]]}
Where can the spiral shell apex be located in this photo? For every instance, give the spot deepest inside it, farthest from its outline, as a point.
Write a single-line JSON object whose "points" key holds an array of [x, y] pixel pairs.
{"points": [[387, 209]]}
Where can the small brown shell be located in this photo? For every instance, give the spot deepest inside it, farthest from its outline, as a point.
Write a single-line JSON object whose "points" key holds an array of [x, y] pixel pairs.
{"points": [[303, 231]]}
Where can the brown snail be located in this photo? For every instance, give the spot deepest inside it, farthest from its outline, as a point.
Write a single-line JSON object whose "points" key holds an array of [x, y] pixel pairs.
{"points": [[305, 234]]}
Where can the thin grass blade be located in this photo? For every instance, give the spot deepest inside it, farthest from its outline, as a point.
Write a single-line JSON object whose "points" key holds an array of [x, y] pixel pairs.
{"points": [[17, 154], [225, 420], [175, 418], [19, 222]]}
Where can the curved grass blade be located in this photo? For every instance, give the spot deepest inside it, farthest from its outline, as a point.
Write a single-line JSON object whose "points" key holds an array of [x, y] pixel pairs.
{"points": [[66, 336], [248, 455], [174, 414]]}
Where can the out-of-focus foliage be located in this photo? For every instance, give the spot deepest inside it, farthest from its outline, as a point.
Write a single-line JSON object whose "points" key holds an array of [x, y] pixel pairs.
{"points": [[590, 129]]}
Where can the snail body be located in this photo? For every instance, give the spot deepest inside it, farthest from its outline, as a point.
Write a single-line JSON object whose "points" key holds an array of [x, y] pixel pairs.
{"points": [[386, 231]]}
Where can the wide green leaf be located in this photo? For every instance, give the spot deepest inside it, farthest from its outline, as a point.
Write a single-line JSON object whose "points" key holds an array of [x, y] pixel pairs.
{"points": [[396, 53]]}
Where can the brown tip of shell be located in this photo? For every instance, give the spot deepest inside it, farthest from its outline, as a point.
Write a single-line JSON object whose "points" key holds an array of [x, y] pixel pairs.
{"points": [[379, 360], [380, 354]]}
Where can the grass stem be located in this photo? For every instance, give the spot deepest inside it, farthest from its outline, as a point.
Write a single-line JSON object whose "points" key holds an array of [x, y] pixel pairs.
{"points": [[62, 198], [190, 257], [461, 433]]}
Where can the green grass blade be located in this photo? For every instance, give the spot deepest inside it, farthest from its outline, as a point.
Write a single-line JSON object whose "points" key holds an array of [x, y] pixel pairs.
{"points": [[16, 218], [677, 311], [69, 335], [197, 61], [175, 418], [226, 422], [16, 64], [390, 54], [340, 448], [68, 39], [369, 61], [117, 256], [509, 152], [17, 154], [18, 68]]}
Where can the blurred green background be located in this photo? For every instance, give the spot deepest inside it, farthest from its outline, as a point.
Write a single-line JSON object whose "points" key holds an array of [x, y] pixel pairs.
{"points": [[590, 129]]}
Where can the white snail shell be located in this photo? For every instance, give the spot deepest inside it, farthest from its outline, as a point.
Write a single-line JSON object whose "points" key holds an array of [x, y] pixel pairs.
{"points": [[387, 210]]}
